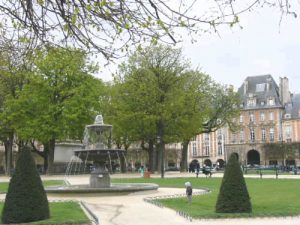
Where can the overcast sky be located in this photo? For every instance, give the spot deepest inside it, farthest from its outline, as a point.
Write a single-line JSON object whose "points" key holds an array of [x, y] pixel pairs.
{"points": [[263, 46]]}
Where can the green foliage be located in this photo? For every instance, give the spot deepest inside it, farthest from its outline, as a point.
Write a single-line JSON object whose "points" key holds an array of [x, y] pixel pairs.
{"points": [[155, 86], [26, 199], [63, 213], [233, 196], [46, 183], [285, 200], [59, 99], [281, 151]]}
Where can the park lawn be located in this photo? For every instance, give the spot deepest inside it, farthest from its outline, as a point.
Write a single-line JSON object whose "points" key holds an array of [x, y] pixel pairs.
{"points": [[62, 213], [269, 197], [267, 172], [4, 185]]}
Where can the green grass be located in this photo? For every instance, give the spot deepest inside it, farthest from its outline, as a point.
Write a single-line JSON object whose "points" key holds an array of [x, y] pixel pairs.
{"points": [[4, 185], [62, 213], [266, 172], [269, 197]]}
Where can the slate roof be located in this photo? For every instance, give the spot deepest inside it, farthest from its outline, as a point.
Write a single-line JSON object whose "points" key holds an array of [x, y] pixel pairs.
{"points": [[294, 111], [270, 90]]}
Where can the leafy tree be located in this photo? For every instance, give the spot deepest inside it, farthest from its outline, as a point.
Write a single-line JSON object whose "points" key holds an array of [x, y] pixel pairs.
{"points": [[151, 84], [108, 26], [160, 100], [26, 200], [233, 196], [60, 99], [13, 70], [281, 151], [209, 107]]}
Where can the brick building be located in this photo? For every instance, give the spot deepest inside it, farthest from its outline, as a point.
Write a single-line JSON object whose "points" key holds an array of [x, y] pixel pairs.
{"points": [[269, 114]]}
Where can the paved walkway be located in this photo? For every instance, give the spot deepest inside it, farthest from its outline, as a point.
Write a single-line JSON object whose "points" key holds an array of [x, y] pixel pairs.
{"points": [[133, 210]]}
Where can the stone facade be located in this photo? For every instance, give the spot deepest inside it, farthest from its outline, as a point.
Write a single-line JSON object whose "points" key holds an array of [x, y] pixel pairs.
{"points": [[269, 114]]}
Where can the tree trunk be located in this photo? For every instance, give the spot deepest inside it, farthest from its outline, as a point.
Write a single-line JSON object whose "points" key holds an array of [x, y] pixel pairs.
{"points": [[161, 144], [50, 169], [151, 156], [123, 162], [45, 156], [156, 158], [8, 144], [184, 154]]}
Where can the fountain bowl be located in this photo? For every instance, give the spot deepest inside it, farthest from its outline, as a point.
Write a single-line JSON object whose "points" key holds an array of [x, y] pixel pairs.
{"points": [[115, 188]]}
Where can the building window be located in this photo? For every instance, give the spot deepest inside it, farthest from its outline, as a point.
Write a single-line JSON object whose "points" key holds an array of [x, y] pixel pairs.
{"points": [[262, 116], [288, 132], [193, 138], [272, 134], [263, 134], [242, 136], [251, 117], [233, 138], [271, 116], [206, 136], [206, 144], [252, 135], [194, 149], [241, 118], [206, 150], [220, 149]]}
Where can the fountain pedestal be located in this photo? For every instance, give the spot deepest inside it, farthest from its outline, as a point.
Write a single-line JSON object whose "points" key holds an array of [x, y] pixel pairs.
{"points": [[99, 177], [99, 180]]}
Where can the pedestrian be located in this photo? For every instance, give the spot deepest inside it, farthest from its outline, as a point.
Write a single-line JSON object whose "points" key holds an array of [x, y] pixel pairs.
{"points": [[197, 169], [141, 170], [189, 191]]}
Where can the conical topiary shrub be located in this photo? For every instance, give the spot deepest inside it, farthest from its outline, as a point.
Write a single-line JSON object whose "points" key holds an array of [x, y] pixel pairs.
{"points": [[26, 199], [233, 196]]}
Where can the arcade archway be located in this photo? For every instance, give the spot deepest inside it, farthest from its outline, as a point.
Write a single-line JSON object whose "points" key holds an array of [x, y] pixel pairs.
{"points": [[207, 162], [220, 163], [253, 157]]}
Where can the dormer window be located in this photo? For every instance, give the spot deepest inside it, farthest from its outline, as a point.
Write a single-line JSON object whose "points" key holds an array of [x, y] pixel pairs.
{"points": [[271, 101], [287, 116], [251, 102], [260, 87]]}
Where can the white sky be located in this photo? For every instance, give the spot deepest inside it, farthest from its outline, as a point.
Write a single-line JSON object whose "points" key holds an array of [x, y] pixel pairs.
{"points": [[263, 46]]}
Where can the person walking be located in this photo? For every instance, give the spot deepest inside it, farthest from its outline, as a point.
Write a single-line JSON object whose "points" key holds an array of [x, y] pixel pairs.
{"points": [[189, 191]]}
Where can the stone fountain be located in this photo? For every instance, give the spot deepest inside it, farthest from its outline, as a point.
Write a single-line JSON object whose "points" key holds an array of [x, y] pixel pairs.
{"points": [[97, 148]]}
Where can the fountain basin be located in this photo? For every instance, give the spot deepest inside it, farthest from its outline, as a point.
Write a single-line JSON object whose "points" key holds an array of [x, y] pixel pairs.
{"points": [[99, 154], [121, 188]]}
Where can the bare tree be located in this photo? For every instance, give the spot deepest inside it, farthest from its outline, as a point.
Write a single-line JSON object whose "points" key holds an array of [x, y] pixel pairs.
{"points": [[112, 26]]}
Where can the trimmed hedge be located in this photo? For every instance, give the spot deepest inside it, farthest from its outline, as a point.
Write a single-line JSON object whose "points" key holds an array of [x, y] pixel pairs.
{"points": [[233, 196], [26, 200]]}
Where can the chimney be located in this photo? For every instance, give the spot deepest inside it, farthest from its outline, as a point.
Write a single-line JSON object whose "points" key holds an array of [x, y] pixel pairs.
{"points": [[284, 90], [245, 87]]}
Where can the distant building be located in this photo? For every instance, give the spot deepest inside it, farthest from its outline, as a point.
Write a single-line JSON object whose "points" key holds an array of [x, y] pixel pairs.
{"points": [[269, 114]]}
